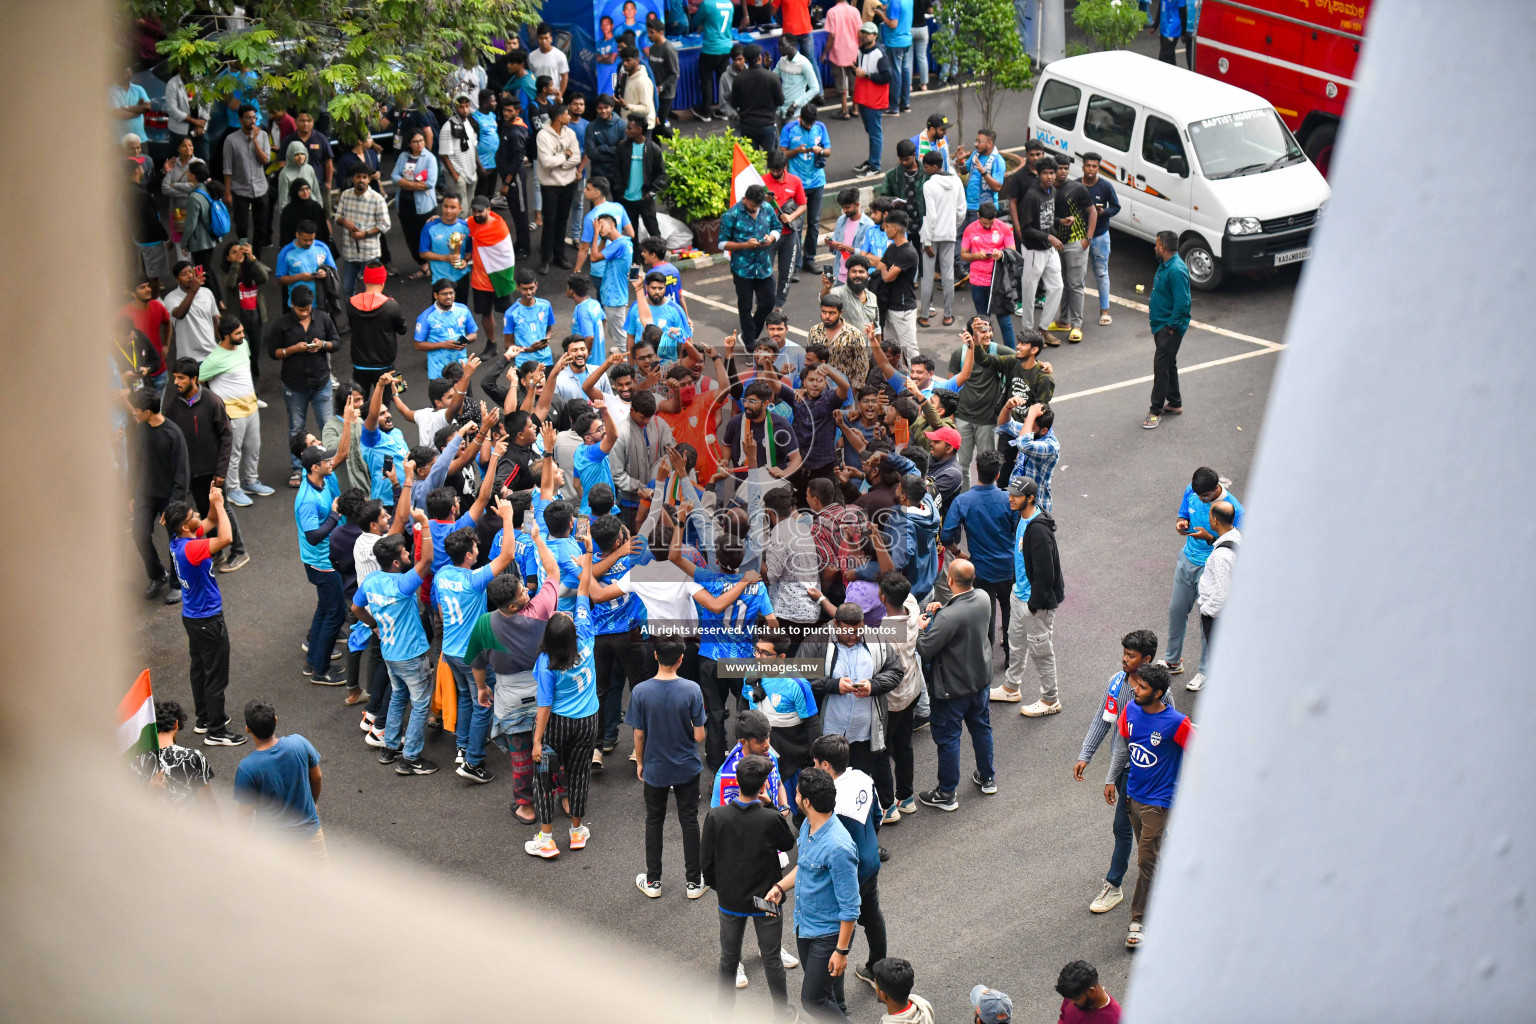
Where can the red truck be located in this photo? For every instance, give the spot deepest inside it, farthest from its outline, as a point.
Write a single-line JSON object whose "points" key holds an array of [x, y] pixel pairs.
{"points": [[1298, 54]]}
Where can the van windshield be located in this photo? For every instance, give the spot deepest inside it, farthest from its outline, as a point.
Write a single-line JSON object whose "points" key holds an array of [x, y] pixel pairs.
{"points": [[1250, 142]]}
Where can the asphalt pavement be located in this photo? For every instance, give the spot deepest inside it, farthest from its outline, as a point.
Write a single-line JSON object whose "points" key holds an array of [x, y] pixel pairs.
{"points": [[996, 892]]}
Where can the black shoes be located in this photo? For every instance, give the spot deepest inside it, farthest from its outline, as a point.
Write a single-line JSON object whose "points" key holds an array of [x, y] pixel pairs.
{"points": [[389, 755], [473, 772], [222, 737], [152, 590], [940, 799], [420, 766]]}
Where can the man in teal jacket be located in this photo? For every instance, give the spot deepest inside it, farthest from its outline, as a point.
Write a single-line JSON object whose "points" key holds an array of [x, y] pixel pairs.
{"points": [[1168, 313]]}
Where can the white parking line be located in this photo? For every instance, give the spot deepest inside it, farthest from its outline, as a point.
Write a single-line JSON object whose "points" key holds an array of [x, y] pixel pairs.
{"points": [[696, 297], [1182, 371], [1195, 324]]}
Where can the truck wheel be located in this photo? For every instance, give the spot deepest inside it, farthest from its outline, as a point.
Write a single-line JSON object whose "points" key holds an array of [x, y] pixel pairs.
{"points": [[1204, 268], [1319, 146]]}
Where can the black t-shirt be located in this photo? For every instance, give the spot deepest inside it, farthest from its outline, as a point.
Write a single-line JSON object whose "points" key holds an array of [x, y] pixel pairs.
{"points": [[899, 294], [1073, 200], [784, 443], [1017, 184]]}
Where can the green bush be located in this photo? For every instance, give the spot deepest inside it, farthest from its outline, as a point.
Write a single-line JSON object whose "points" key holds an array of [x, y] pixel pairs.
{"points": [[699, 172], [1113, 23]]}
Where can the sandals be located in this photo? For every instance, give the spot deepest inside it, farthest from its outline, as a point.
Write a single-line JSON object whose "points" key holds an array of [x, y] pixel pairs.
{"points": [[949, 321], [353, 699], [922, 321], [1135, 937], [293, 481], [1105, 319], [417, 276]]}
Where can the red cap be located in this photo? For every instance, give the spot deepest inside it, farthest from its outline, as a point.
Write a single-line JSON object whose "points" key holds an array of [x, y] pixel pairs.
{"points": [[949, 435], [375, 275]]}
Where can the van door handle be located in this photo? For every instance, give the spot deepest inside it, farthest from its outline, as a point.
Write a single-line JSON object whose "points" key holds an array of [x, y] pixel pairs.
{"points": [[1141, 177]]}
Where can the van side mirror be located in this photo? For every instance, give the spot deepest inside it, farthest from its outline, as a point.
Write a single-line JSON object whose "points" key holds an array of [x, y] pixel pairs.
{"points": [[1178, 165]]}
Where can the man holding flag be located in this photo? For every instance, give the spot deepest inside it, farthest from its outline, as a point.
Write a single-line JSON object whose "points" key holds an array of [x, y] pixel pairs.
{"points": [[748, 231], [491, 278]]}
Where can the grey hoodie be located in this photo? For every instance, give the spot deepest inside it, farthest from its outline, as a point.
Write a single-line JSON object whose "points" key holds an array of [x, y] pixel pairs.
{"points": [[917, 1012]]}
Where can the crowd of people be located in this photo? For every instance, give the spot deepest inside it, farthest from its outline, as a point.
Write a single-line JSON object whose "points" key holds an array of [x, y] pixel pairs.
{"points": [[794, 557]]}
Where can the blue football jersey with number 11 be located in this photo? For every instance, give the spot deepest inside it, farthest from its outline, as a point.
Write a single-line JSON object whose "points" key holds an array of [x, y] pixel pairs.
{"points": [[727, 635]]}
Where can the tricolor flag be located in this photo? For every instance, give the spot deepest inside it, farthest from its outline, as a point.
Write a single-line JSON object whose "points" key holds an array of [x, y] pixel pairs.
{"points": [[743, 174], [136, 718], [493, 252]]}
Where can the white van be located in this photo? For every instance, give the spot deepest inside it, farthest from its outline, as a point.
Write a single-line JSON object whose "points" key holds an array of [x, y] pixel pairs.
{"points": [[1188, 154]]}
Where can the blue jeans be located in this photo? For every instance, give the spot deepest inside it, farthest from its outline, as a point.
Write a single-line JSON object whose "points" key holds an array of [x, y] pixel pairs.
{"points": [[871, 117], [920, 54], [474, 722], [1098, 253], [818, 989], [900, 58], [330, 609], [1186, 588], [945, 726], [351, 274], [981, 296], [416, 678], [812, 223], [299, 403], [1125, 836]]}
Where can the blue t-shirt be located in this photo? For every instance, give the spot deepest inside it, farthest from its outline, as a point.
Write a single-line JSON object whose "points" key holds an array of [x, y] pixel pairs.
{"points": [[675, 328], [1156, 744], [874, 242], [130, 95], [311, 507], [565, 549], [591, 464], [445, 240], [589, 231], [726, 635], [572, 692], [440, 531], [1199, 515], [436, 324], [624, 612], [635, 183], [276, 782], [587, 322], [899, 11], [803, 165], [668, 711], [784, 695], [976, 191], [726, 787], [716, 29], [200, 597], [614, 291], [295, 260], [529, 325], [1021, 588], [376, 445], [674, 282], [489, 138], [390, 598], [460, 595]]}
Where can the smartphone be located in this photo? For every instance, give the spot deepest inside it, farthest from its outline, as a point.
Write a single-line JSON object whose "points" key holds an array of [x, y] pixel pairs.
{"points": [[766, 906], [842, 462], [389, 463], [583, 523], [634, 272]]}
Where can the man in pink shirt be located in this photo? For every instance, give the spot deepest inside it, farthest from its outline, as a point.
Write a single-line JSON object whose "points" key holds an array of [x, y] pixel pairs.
{"points": [[984, 238], [1083, 999], [842, 25]]}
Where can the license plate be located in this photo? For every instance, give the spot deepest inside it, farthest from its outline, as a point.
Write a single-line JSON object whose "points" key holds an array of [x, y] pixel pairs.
{"points": [[1294, 256]]}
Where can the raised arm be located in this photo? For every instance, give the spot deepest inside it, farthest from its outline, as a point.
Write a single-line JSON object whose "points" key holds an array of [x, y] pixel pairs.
{"points": [[424, 560], [717, 605], [488, 482]]}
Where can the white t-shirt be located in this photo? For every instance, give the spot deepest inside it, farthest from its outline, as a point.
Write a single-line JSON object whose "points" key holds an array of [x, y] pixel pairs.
{"points": [[665, 602], [618, 409], [552, 64], [362, 555], [195, 334], [234, 383], [428, 423]]}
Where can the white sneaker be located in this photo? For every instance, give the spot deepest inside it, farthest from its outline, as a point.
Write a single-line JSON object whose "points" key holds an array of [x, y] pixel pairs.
{"points": [[891, 816], [1196, 682], [1040, 708], [1005, 695], [790, 960], [374, 738], [697, 889], [1108, 899], [651, 889], [367, 723], [741, 976], [542, 845]]}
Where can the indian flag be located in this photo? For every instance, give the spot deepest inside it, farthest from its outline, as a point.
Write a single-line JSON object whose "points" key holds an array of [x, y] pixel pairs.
{"points": [[743, 174], [493, 251], [136, 718]]}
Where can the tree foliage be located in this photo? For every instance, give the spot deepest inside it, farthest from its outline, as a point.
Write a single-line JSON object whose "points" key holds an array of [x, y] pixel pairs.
{"points": [[346, 56], [982, 38], [699, 172], [1113, 23]]}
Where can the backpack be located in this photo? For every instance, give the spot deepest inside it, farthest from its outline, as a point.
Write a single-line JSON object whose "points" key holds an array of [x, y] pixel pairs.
{"points": [[219, 221]]}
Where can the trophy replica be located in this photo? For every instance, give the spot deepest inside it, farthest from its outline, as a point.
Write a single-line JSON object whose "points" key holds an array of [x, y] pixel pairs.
{"points": [[456, 246]]}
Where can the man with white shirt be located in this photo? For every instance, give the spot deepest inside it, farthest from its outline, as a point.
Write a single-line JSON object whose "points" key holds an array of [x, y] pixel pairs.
{"points": [[570, 377], [546, 60], [194, 314], [457, 144]]}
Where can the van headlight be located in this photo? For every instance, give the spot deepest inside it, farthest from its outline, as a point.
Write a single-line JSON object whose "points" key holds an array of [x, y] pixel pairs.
{"points": [[1243, 226], [1320, 208]]}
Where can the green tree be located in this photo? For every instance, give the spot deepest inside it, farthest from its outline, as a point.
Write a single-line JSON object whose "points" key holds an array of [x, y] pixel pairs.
{"points": [[346, 56], [981, 37], [1114, 24]]}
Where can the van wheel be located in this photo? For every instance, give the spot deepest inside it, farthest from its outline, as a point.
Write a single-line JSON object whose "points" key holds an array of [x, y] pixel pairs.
{"points": [[1319, 146], [1204, 268]]}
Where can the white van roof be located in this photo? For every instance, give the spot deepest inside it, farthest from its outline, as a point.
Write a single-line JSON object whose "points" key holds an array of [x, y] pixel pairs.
{"points": [[1168, 89]]}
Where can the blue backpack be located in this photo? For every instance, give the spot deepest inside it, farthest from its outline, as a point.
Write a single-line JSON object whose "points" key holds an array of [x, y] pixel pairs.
{"points": [[219, 220]]}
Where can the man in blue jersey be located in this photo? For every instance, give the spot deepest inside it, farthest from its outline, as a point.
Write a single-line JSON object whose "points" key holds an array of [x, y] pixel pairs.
{"points": [[1137, 648], [668, 317], [807, 143], [445, 246], [458, 590], [529, 321], [618, 651], [386, 603], [1156, 737], [984, 171], [724, 628], [444, 329], [443, 515], [653, 257], [599, 197], [1194, 525], [555, 520], [752, 738], [304, 260], [587, 318], [315, 516], [202, 611], [598, 437]]}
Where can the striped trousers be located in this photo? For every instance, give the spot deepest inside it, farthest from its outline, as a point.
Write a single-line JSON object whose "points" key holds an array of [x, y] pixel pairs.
{"points": [[568, 744]]}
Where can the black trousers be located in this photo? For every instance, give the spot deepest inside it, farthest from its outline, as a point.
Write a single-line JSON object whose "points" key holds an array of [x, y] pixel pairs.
{"points": [[1207, 626], [146, 513], [663, 117], [999, 593], [770, 937], [557, 213], [616, 657], [250, 216], [1165, 369], [1166, 48], [716, 693], [872, 920], [764, 136], [898, 740], [711, 67], [517, 213], [642, 211], [875, 764], [208, 646], [686, 796], [411, 224], [751, 290]]}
